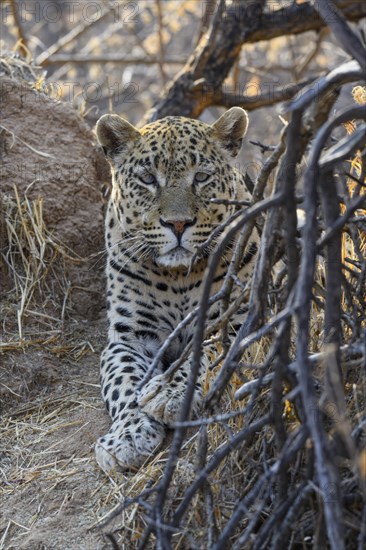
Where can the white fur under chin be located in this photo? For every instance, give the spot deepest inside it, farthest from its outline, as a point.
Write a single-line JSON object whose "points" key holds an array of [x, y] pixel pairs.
{"points": [[175, 259]]}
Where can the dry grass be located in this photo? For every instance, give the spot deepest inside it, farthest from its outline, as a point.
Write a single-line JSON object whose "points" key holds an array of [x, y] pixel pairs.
{"points": [[36, 262], [20, 68]]}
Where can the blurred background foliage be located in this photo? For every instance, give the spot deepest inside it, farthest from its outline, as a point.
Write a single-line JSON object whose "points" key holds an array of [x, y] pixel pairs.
{"points": [[117, 56]]}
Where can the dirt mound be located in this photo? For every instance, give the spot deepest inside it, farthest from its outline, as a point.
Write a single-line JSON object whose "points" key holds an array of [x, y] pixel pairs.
{"points": [[48, 150], [48, 153]]}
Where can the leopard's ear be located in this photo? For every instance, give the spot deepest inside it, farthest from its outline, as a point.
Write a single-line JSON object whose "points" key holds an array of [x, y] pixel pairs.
{"points": [[230, 129], [115, 134]]}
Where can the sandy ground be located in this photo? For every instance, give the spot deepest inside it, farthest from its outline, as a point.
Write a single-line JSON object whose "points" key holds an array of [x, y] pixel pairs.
{"points": [[52, 489]]}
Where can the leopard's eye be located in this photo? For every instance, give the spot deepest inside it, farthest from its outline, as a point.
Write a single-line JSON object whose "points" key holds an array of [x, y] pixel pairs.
{"points": [[201, 177], [148, 179]]}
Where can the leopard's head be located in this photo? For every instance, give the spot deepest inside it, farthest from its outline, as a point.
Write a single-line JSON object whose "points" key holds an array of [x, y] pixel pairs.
{"points": [[165, 176]]}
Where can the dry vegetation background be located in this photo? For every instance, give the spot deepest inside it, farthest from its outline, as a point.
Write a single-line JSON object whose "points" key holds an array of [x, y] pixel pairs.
{"points": [[280, 460]]}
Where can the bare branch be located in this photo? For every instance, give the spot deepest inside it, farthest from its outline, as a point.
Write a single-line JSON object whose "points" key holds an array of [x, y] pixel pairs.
{"points": [[84, 59], [70, 36], [19, 26], [349, 40], [273, 96], [348, 72], [344, 148]]}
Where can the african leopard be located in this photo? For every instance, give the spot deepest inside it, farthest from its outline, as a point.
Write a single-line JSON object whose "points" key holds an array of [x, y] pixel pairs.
{"points": [[164, 177]]}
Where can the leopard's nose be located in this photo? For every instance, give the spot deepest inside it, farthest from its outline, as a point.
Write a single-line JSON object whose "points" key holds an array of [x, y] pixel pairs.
{"points": [[178, 226]]}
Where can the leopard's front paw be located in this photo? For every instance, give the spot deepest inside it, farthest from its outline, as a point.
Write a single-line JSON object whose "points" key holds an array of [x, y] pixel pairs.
{"points": [[129, 442], [162, 399]]}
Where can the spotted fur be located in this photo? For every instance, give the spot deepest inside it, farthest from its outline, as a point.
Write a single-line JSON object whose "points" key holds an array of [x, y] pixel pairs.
{"points": [[160, 211]]}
